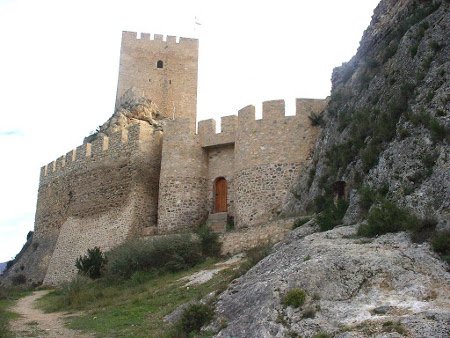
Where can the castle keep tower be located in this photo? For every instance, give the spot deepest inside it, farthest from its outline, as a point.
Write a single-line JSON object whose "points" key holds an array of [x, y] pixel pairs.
{"points": [[163, 71]]}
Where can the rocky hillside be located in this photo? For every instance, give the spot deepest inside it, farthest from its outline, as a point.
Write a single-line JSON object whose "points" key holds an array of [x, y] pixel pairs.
{"points": [[381, 165], [385, 287], [2, 267], [387, 125]]}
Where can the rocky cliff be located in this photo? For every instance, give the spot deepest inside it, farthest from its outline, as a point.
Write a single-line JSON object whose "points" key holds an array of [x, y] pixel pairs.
{"points": [[388, 123], [384, 141]]}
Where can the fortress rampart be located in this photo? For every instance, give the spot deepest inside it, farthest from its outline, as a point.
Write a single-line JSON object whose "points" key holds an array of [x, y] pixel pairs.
{"points": [[141, 181], [258, 158], [97, 195]]}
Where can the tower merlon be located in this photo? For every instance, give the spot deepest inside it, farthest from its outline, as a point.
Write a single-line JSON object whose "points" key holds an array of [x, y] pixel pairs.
{"points": [[99, 145], [117, 139], [207, 127], [273, 110], [228, 124], [307, 106], [246, 114], [157, 38], [60, 162]]}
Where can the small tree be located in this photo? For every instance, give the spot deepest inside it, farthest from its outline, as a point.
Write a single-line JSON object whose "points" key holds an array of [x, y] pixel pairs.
{"points": [[92, 264]]}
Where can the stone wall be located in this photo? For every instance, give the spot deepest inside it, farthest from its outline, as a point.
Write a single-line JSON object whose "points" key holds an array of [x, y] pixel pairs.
{"points": [[247, 238], [174, 86], [221, 164], [183, 182], [98, 194], [260, 160]]}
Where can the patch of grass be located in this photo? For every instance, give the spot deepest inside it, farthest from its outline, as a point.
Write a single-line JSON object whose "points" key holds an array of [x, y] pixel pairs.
{"points": [[390, 326], [307, 258], [309, 312], [295, 298], [127, 309], [321, 335], [7, 298], [300, 221]]}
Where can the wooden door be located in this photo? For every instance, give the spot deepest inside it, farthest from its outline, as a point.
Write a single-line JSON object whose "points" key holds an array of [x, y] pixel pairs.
{"points": [[220, 189]]}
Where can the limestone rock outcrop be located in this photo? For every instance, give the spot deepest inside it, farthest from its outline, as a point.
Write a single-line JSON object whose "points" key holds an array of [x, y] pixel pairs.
{"points": [[355, 287], [388, 121], [132, 107]]}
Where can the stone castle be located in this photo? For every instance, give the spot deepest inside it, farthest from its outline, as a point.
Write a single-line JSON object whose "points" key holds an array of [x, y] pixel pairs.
{"points": [[145, 181]]}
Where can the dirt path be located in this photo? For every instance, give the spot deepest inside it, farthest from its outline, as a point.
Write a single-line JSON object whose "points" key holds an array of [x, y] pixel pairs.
{"points": [[34, 322]]}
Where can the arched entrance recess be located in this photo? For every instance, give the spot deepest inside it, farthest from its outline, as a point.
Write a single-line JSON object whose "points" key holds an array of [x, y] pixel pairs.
{"points": [[220, 194]]}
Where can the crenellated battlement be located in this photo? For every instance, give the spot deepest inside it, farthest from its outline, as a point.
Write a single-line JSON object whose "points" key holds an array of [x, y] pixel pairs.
{"points": [[158, 39], [272, 112], [102, 147]]}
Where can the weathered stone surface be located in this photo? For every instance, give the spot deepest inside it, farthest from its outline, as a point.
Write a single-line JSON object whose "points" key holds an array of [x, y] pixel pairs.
{"points": [[401, 69], [352, 285]]}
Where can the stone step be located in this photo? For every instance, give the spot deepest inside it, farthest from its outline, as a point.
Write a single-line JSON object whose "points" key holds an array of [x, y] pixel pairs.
{"points": [[217, 222]]}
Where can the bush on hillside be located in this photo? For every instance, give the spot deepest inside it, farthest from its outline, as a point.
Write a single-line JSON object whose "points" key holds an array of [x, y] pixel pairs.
{"points": [[209, 241], [168, 253], [295, 297], [441, 244], [386, 217], [332, 215], [195, 317], [300, 221], [92, 264]]}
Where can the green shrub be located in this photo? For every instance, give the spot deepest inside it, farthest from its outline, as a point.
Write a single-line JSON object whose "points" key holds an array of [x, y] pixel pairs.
{"points": [[440, 243], [195, 316], [369, 196], [421, 230], [300, 221], [92, 264], [385, 218], [295, 297], [316, 119], [332, 215], [168, 253], [209, 241], [438, 131], [321, 335]]}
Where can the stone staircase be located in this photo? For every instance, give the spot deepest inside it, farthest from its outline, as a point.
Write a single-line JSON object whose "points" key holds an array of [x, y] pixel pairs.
{"points": [[217, 222]]}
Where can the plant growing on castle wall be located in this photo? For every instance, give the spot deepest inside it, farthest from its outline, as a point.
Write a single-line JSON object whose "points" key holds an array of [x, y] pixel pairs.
{"points": [[316, 119], [92, 264]]}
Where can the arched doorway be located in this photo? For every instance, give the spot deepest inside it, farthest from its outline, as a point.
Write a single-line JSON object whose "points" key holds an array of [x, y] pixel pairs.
{"points": [[220, 192]]}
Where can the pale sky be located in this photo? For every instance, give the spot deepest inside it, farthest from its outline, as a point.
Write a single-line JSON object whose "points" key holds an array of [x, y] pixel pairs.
{"points": [[59, 63]]}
